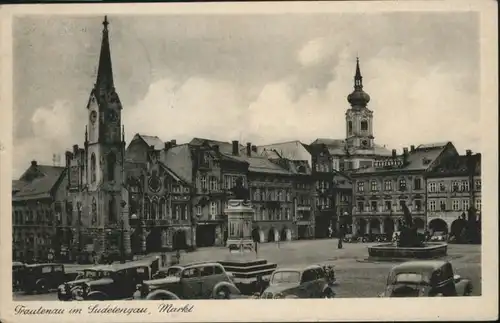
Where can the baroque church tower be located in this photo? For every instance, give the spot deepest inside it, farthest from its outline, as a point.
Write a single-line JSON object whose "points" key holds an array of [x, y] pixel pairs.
{"points": [[359, 119], [105, 150]]}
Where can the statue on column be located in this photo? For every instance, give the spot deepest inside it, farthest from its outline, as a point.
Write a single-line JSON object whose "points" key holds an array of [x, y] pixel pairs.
{"points": [[239, 192]]}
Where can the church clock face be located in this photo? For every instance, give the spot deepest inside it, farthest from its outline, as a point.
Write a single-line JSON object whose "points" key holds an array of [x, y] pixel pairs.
{"points": [[93, 117], [364, 143]]}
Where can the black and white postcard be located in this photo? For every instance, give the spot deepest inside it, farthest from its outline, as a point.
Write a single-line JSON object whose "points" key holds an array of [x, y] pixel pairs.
{"points": [[263, 161]]}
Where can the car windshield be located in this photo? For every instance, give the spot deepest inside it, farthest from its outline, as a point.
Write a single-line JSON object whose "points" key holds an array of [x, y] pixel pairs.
{"points": [[409, 278], [96, 274], [176, 272], [283, 277]]}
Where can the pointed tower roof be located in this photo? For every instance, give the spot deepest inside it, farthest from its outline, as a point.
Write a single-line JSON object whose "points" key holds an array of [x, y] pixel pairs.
{"points": [[358, 98], [105, 70]]}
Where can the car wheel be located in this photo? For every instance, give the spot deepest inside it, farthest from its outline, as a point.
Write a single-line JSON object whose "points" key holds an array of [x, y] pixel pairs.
{"points": [[328, 293], [222, 293], [41, 287]]}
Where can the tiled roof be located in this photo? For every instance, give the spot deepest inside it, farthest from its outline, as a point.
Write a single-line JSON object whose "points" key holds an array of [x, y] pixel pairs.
{"points": [[458, 166], [260, 164], [178, 159], [152, 141], [419, 159], [338, 147], [293, 150], [39, 181], [224, 146], [17, 185]]}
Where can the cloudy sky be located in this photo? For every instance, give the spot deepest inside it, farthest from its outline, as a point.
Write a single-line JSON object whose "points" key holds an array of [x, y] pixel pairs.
{"points": [[257, 78]]}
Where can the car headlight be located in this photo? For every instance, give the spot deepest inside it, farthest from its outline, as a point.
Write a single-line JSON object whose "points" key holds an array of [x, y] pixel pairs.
{"points": [[278, 296]]}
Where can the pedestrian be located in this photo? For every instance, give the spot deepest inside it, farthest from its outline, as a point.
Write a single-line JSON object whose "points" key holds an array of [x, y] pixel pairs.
{"points": [[330, 232], [178, 256], [256, 248]]}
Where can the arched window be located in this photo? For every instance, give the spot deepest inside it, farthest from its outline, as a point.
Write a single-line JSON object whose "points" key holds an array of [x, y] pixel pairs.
{"points": [[112, 209], [154, 208], [364, 125], [161, 209], [92, 168], [111, 166], [146, 208], [256, 194], [349, 127]]}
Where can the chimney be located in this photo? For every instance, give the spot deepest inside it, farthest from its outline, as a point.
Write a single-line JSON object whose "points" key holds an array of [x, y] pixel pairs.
{"points": [[249, 149], [236, 147], [468, 152], [254, 148], [75, 150], [33, 163], [412, 148], [68, 158], [394, 153], [166, 146], [173, 143], [216, 148], [405, 155]]}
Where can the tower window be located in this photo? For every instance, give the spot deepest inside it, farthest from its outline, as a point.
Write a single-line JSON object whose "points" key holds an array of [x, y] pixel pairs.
{"points": [[112, 209], [349, 127], [92, 168], [364, 125], [111, 166]]}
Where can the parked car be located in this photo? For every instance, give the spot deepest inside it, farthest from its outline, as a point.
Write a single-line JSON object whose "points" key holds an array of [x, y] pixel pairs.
{"points": [[309, 282], [18, 269], [42, 278], [119, 281], [439, 236], [425, 278], [205, 280], [73, 289], [350, 238]]}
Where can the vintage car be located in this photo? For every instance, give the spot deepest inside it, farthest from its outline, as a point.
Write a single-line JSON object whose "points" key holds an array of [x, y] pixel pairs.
{"points": [[309, 282], [350, 238], [425, 278], [42, 278], [119, 281], [73, 289], [206, 280], [18, 269]]}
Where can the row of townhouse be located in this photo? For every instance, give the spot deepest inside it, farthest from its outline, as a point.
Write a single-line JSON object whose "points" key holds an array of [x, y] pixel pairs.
{"points": [[438, 186]]}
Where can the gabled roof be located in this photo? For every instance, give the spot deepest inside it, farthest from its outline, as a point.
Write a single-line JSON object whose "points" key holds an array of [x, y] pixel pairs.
{"points": [[293, 150], [224, 146], [178, 160], [39, 181], [421, 159], [260, 164], [154, 141], [458, 166], [17, 185], [338, 147]]}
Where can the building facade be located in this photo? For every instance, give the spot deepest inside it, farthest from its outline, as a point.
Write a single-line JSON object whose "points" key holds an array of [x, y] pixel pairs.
{"points": [[452, 190], [380, 191], [40, 224], [159, 199]]}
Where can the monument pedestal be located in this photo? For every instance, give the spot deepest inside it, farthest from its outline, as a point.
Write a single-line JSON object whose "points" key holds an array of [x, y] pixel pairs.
{"points": [[250, 273], [239, 222]]}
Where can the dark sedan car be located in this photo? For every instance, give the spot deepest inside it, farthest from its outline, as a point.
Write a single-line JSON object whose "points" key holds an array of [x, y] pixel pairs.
{"points": [[425, 278]]}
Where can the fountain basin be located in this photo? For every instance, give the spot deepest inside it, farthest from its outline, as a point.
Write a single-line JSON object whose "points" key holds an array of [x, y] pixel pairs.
{"points": [[427, 251]]}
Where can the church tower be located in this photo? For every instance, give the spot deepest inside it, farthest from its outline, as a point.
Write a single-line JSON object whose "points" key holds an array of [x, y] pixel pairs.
{"points": [[105, 149], [359, 119]]}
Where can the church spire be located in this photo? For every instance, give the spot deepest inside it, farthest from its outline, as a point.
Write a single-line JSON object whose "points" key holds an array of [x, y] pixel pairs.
{"points": [[105, 71], [358, 98], [358, 79]]}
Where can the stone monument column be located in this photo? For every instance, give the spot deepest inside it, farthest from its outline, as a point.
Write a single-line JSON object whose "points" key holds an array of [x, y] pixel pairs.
{"points": [[239, 217]]}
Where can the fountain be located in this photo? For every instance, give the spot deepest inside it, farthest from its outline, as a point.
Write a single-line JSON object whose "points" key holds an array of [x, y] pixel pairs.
{"points": [[242, 262], [409, 244]]}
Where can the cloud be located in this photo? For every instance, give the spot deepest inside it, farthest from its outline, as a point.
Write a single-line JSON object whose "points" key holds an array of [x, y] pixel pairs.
{"points": [[312, 52], [197, 107], [52, 134]]}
